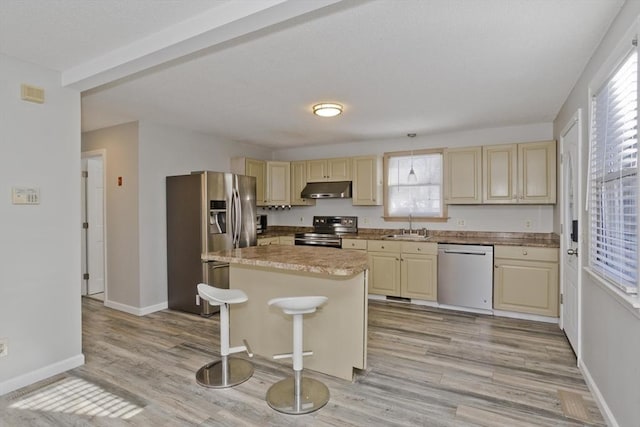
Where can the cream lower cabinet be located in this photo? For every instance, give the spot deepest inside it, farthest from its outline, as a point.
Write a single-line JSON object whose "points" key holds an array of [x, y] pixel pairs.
{"points": [[357, 244], [526, 280], [384, 272], [404, 269], [265, 241], [286, 240], [419, 271]]}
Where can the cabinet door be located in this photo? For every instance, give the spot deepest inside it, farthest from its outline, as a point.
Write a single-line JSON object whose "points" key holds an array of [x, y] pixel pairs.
{"points": [[537, 172], [257, 168], [384, 273], [418, 276], [298, 182], [317, 170], [266, 241], [339, 169], [499, 173], [278, 189], [463, 175], [286, 240], [526, 287], [367, 184]]}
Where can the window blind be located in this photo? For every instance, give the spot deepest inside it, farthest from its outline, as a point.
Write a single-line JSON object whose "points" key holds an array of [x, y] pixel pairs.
{"points": [[614, 177], [422, 198]]}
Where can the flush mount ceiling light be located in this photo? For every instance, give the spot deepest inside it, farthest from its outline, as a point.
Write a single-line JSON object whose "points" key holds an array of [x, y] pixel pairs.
{"points": [[327, 110]]}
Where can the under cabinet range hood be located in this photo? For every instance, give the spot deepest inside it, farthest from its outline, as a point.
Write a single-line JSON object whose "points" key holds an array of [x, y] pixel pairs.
{"points": [[327, 190]]}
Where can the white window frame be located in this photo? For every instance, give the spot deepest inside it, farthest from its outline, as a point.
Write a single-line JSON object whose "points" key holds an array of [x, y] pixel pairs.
{"points": [[386, 160], [607, 70]]}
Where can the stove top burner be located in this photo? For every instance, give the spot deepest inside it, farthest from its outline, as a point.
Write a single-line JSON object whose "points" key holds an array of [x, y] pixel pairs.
{"points": [[327, 231]]}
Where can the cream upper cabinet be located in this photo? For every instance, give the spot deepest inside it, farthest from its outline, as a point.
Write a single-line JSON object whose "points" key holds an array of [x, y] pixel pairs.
{"points": [[499, 173], [278, 183], [367, 180], [537, 172], [338, 169], [525, 280], [519, 173], [257, 169], [298, 182], [463, 175]]}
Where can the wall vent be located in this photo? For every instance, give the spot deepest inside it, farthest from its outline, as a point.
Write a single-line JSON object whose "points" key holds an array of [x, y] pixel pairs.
{"points": [[32, 93]]}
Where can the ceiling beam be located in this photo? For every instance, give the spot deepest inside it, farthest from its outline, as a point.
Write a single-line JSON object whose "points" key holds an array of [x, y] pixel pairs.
{"points": [[218, 25]]}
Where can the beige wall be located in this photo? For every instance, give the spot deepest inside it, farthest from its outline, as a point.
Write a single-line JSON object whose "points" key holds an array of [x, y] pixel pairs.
{"points": [[123, 255], [610, 333]]}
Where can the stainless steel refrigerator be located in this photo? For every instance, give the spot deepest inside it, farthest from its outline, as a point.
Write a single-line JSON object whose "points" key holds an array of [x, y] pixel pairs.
{"points": [[206, 212]]}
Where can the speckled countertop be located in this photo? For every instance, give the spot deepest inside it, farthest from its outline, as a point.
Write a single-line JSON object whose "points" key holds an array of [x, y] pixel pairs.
{"points": [[329, 261], [543, 240]]}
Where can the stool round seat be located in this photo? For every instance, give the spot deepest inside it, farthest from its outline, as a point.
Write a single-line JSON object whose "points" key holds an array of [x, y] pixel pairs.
{"points": [[228, 371], [217, 296], [297, 395], [298, 305]]}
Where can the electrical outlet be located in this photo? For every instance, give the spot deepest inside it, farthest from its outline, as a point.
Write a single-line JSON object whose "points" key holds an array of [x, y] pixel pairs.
{"points": [[365, 220], [461, 223], [4, 347], [528, 223]]}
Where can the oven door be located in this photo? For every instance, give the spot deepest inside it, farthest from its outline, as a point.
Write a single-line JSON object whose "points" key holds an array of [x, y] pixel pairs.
{"points": [[327, 240]]}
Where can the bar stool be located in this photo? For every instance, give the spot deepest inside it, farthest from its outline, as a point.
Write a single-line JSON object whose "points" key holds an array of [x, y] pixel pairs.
{"points": [[296, 395], [228, 371]]}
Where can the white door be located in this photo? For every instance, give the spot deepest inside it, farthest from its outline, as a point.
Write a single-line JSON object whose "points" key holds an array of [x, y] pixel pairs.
{"points": [[95, 232], [570, 257]]}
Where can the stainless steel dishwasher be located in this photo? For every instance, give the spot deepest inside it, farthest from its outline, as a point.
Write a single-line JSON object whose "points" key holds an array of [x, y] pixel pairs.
{"points": [[465, 276]]}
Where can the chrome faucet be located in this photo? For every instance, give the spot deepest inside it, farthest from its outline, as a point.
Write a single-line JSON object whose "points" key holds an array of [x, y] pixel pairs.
{"points": [[410, 224]]}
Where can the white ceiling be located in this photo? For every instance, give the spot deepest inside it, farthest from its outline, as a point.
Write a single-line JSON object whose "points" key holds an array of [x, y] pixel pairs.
{"points": [[251, 70]]}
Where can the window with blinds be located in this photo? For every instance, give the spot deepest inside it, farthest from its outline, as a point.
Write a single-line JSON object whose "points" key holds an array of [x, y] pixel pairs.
{"points": [[613, 208], [413, 184]]}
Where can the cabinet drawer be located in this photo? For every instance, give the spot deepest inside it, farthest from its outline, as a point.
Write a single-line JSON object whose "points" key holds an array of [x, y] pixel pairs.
{"points": [[354, 244], [526, 253], [286, 240], [383, 246], [420, 248]]}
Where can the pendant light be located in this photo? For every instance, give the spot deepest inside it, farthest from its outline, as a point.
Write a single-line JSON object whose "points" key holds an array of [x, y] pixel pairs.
{"points": [[412, 178]]}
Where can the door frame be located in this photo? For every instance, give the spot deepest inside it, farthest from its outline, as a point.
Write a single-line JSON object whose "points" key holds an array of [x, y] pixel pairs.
{"points": [[576, 120], [102, 153]]}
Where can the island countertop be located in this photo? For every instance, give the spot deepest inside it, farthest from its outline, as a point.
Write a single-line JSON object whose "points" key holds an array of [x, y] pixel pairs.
{"points": [[330, 261]]}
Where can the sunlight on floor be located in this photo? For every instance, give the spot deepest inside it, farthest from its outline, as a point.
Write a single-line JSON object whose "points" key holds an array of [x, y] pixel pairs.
{"points": [[77, 396]]}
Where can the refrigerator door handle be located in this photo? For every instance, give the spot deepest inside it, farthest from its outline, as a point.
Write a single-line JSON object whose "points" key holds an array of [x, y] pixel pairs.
{"points": [[238, 217]]}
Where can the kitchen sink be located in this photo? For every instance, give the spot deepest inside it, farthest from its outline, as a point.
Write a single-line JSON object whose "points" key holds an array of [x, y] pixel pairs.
{"points": [[407, 237]]}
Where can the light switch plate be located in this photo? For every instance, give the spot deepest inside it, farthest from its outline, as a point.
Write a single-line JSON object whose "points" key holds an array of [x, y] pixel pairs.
{"points": [[25, 196]]}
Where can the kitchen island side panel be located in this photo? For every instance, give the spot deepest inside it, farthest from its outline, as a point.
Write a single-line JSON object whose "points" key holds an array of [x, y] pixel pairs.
{"points": [[336, 332]]}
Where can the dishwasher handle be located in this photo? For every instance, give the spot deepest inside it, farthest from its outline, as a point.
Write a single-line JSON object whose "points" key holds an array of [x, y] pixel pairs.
{"points": [[451, 251]]}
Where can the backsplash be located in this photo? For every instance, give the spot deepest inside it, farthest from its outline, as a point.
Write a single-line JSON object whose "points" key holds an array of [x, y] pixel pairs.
{"points": [[519, 218]]}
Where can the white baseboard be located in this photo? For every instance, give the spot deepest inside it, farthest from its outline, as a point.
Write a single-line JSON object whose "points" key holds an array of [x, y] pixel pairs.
{"points": [[602, 404], [41, 374], [525, 316], [136, 311]]}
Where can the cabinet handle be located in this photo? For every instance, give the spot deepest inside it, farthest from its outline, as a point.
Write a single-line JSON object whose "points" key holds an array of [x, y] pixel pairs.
{"points": [[419, 249], [381, 247], [524, 252], [496, 266]]}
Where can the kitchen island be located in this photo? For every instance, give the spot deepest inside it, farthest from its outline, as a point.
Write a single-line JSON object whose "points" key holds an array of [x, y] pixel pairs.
{"points": [[336, 332]]}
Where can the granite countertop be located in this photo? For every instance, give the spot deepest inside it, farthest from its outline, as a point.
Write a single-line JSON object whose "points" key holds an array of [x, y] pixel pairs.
{"points": [[308, 259], [544, 240]]}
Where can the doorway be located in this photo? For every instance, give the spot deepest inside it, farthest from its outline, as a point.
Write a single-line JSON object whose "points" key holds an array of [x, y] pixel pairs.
{"points": [[570, 239], [94, 283]]}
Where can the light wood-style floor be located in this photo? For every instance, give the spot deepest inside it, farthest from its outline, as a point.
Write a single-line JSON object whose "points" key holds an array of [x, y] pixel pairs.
{"points": [[427, 367]]}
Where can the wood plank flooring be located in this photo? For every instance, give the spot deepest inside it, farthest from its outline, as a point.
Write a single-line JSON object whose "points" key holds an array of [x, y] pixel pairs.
{"points": [[426, 367]]}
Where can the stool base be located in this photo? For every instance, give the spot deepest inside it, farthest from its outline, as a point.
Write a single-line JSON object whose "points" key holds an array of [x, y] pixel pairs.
{"points": [[281, 396], [216, 375]]}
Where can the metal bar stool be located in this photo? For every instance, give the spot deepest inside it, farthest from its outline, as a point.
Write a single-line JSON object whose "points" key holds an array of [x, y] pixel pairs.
{"points": [[296, 395], [228, 371]]}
